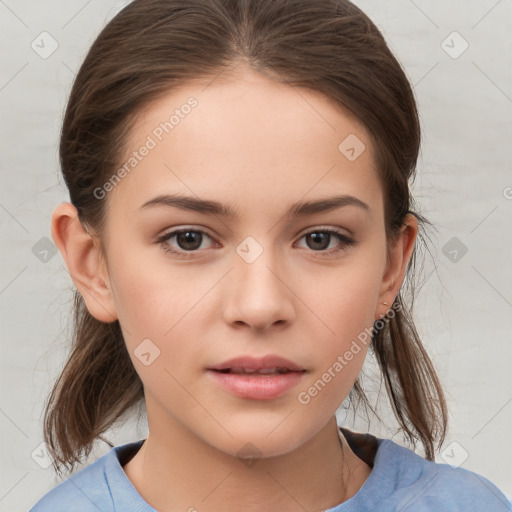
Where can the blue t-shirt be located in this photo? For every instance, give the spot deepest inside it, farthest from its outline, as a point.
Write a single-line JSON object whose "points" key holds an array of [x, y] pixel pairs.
{"points": [[400, 480]]}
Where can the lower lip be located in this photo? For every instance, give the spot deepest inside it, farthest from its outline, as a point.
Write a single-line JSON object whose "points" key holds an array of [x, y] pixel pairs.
{"points": [[257, 387]]}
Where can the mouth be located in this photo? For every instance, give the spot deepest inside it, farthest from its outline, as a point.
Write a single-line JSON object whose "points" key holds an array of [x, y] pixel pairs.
{"points": [[265, 365], [263, 371], [257, 379]]}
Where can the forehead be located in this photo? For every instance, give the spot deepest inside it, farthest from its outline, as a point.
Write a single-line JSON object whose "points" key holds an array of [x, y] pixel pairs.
{"points": [[247, 139]]}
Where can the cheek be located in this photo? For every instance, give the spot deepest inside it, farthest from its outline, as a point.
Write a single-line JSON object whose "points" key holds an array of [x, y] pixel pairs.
{"points": [[149, 294], [159, 304], [346, 305], [345, 299]]}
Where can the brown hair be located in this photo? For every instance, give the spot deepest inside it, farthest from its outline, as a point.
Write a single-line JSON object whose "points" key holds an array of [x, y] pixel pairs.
{"points": [[151, 46]]}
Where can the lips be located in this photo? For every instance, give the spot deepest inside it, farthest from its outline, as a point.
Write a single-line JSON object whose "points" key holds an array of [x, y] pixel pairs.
{"points": [[252, 378], [266, 365], [263, 371]]}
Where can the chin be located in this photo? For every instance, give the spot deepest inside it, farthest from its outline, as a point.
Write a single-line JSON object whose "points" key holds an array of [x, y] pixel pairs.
{"points": [[261, 439]]}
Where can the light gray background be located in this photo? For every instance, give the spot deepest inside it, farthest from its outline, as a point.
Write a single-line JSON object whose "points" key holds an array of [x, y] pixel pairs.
{"points": [[464, 185]]}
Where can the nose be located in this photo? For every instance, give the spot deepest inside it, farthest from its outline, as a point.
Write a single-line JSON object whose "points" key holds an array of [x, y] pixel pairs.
{"points": [[260, 294]]}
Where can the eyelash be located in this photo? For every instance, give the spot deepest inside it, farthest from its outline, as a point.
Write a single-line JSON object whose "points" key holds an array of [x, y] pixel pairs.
{"points": [[345, 241]]}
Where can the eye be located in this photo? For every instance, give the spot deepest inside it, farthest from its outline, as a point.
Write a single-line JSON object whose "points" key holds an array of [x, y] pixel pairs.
{"points": [[188, 240], [320, 239]]}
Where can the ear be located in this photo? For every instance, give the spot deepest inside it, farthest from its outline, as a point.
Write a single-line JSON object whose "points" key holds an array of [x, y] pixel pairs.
{"points": [[400, 251], [85, 261]]}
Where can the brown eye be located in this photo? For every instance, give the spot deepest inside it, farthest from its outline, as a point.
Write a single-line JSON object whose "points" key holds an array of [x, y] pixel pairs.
{"points": [[320, 239], [189, 240], [183, 241]]}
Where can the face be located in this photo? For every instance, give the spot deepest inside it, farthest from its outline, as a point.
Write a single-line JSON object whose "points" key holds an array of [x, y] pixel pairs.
{"points": [[195, 288]]}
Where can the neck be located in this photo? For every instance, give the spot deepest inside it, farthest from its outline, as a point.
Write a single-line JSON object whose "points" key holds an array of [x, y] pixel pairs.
{"points": [[175, 470]]}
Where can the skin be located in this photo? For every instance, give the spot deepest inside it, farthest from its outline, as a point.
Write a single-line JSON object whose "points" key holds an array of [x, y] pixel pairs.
{"points": [[257, 146]]}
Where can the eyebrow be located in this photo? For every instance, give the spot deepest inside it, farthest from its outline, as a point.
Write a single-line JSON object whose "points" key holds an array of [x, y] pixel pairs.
{"points": [[209, 207]]}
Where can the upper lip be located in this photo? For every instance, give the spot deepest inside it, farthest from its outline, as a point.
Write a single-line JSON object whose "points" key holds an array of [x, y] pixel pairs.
{"points": [[258, 363]]}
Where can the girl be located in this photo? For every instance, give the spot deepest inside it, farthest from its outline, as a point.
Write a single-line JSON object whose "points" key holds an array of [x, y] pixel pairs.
{"points": [[239, 231]]}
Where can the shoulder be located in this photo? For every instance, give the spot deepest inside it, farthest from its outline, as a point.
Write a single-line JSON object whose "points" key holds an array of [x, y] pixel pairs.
{"points": [[424, 485], [101, 485], [403, 481], [85, 491]]}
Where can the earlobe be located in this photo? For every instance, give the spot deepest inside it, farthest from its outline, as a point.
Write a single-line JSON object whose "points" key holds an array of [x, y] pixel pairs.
{"points": [[85, 262], [400, 252]]}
